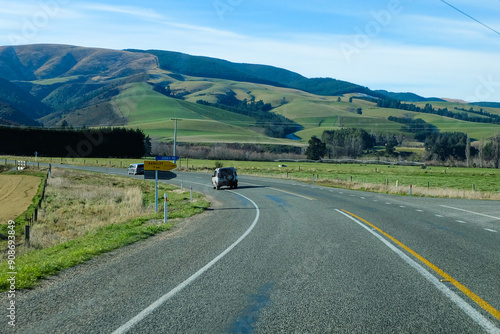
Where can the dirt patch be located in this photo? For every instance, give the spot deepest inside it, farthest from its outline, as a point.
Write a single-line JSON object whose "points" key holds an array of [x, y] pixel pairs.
{"points": [[16, 195]]}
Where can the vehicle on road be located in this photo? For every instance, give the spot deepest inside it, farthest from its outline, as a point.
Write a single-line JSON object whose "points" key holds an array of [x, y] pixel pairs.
{"points": [[136, 169], [225, 177]]}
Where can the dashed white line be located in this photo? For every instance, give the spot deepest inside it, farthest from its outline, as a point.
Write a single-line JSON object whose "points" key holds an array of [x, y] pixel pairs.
{"points": [[291, 193], [476, 213], [402, 206], [439, 216], [490, 230], [461, 222], [418, 210]]}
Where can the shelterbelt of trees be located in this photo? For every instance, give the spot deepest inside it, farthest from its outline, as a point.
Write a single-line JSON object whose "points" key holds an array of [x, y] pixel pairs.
{"points": [[354, 142], [95, 143], [484, 117]]}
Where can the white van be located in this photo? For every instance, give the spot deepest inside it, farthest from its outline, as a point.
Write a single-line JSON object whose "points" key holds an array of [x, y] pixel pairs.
{"points": [[225, 177], [135, 169]]}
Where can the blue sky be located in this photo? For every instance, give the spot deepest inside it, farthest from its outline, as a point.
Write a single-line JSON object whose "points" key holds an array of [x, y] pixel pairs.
{"points": [[426, 47]]}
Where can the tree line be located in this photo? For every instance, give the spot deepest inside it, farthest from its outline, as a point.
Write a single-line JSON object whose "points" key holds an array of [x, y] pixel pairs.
{"points": [[419, 127], [429, 109], [95, 143], [352, 143]]}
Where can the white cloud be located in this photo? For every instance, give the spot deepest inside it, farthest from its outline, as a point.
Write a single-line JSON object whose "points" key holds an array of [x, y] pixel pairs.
{"points": [[127, 10]]}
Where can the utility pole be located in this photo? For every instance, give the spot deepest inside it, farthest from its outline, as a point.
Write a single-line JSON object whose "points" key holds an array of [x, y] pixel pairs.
{"points": [[175, 137]]}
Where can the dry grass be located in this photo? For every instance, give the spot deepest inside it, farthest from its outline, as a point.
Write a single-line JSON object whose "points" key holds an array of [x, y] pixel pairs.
{"points": [[415, 191], [73, 208]]}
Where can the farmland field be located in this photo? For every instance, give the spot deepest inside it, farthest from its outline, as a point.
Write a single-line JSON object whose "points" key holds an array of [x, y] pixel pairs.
{"points": [[16, 195]]}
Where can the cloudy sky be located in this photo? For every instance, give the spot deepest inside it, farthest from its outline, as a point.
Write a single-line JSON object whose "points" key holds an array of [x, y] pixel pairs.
{"points": [[434, 48]]}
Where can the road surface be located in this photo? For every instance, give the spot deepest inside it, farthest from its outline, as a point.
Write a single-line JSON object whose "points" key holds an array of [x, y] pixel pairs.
{"points": [[278, 256]]}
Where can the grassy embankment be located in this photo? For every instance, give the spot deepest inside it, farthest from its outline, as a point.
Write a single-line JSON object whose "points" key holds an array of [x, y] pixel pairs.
{"points": [[86, 214]]}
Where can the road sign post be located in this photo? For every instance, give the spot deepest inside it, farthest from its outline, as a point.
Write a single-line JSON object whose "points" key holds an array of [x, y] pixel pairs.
{"points": [[163, 165], [157, 166]]}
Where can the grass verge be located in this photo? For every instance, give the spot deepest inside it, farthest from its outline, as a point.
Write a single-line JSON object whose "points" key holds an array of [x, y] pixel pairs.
{"points": [[90, 221]]}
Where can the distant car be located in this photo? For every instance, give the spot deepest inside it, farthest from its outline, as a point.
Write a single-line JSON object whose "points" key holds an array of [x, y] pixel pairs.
{"points": [[136, 169], [225, 177]]}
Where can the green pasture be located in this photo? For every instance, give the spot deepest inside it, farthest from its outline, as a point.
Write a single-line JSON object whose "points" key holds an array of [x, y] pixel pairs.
{"points": [[46, 82], [483, 179], [152, 112]]}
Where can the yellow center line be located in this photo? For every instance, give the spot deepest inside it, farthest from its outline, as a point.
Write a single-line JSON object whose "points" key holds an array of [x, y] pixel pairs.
{"points": [[478, 300]]}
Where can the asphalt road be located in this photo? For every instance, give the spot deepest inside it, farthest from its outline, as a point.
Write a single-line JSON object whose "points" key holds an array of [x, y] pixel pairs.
{"points": [[277, 256]]}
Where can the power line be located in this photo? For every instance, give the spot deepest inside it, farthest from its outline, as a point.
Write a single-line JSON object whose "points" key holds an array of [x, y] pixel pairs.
{"points": [[472, 18]]}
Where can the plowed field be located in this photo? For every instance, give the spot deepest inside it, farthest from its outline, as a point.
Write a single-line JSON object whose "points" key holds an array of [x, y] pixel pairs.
{"points": [[16, 195]]}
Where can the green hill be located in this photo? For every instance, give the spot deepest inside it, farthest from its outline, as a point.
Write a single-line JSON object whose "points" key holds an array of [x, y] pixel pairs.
{"points": [[261, 74], [77, 86], [22, 101], [13, 117]]}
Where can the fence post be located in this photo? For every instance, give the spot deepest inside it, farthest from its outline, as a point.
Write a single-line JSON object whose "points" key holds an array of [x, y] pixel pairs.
{"points": [[27, 234]]}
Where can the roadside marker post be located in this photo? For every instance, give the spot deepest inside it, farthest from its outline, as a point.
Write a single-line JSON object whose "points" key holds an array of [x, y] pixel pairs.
{"points": [[165, 208], [191, 189], [156, 190]]}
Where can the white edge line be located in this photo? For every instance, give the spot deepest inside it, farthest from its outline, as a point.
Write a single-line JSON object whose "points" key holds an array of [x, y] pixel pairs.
{"points": [[476, 213], [148, 310], [469, 310]]}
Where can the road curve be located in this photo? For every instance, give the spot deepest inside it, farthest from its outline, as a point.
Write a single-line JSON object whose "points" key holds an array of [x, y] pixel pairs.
{"points": [[278, 256]]}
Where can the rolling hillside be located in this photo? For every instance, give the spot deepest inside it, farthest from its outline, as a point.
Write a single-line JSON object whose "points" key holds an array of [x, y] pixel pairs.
{"points": [[60, 84]]}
